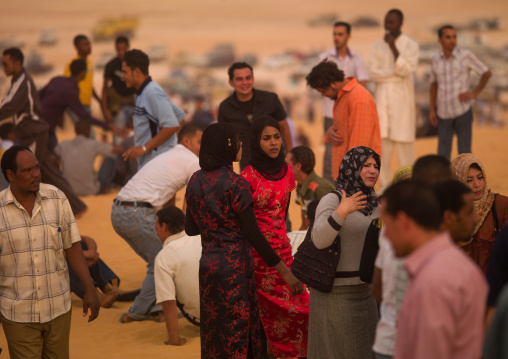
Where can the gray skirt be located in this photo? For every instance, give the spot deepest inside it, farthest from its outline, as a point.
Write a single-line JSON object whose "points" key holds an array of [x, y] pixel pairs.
{"points": [[342, 323]]}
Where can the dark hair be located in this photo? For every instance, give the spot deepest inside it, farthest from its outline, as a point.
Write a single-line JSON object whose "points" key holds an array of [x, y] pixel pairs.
{"points": [[398, 13], [324, 74], [311, 210], [79, 38], [450, 195], [15, 54], [443, 28], [345, 24], [476, 166], [83, 127], [238, 66], [122, 40], [304, 156], [137, 59], [9, 159], [173, 217], [6, 129], [416, 200], [431, 168], [188, 130], [77, 67]]}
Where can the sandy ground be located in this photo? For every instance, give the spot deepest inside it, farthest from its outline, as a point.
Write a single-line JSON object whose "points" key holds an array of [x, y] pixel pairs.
{"points": [[262, 27]]}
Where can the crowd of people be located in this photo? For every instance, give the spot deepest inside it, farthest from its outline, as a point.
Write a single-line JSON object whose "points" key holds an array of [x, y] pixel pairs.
{"points": [[417, 269]]}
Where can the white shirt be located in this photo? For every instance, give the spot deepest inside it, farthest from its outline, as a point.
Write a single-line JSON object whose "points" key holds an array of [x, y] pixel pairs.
{"points": [[160, 178], [394, 283], [177, 272], [352, 65], [452, 77], [394, 93]]}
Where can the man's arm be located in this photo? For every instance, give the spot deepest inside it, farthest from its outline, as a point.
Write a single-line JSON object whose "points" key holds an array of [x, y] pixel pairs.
{"points": [[466, 96], [286, 135], [75, 257], [91, 255], [16, 98], [136, 151], [303, 226], [171, 317], [432, 104], [73, 102], [377, 285], [107, 114]]}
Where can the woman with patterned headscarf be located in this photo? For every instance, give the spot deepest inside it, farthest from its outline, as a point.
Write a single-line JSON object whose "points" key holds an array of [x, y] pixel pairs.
{"points": [[342, 323], [469, 169], [271, 180], [219, 208]]}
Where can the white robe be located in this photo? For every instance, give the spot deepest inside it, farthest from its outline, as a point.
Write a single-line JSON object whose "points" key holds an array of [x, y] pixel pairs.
{"points": [[394, 93]]}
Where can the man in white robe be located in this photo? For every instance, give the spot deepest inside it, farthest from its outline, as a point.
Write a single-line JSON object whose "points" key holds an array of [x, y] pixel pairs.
{"points": [[392, 63]]}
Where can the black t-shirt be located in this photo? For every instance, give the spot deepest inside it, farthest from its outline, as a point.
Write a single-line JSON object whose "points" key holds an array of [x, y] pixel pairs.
{"points": [[240, 115], [113, 72]]}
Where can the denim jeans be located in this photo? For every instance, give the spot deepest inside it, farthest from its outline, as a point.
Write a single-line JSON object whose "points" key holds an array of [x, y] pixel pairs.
{"points": [[136, 225], [462, 126], [122, 119]]}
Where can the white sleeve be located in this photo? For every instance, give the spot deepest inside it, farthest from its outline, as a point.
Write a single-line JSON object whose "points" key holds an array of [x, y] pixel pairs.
{"points": [[164, 281]]}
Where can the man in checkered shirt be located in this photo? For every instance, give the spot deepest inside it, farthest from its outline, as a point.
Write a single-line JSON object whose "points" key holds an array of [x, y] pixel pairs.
{"points": [[37, 233]]}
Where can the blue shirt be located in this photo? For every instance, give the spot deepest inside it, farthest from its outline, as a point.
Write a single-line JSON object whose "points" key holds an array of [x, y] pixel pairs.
{"points": [[153, 111]]}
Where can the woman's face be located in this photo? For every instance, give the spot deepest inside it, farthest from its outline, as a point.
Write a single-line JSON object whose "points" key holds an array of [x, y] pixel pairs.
{"points": [[270, 141], [239, 153], [370, 172], [476, 182]]}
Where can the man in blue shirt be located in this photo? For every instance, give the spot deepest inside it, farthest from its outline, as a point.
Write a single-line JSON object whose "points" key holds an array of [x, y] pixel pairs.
{"points": [[156, 119]]}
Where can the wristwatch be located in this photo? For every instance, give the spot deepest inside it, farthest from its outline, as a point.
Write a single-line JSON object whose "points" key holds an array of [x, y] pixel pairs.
{"points": [[144, 148]]}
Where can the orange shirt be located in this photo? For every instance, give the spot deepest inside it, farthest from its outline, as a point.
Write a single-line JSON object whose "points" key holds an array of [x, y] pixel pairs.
{"points": [[357, 122]]}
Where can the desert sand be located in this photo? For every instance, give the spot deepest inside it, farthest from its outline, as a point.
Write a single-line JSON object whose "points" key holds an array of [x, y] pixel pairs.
{"points": [[262, 27]]}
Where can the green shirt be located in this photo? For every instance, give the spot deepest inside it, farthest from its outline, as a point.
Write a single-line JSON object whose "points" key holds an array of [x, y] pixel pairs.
{"points": [[314, 187]]}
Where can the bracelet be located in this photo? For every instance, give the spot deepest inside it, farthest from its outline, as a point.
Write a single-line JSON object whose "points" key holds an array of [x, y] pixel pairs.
{"points": [[144, 148]]}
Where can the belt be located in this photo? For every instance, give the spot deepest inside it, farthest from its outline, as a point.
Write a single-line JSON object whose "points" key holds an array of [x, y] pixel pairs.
{"points": [[132, 204], [347, 274]]}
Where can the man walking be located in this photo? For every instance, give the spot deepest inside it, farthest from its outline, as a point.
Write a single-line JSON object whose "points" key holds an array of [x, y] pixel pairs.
{"points": [[352, 66], [156, 119], [247, 103], [355, 116], [392, 64], [37, 229], [449, 92]]}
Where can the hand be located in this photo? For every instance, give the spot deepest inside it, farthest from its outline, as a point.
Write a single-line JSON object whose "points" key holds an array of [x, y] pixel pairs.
{"points": [[133, 153], [433, 118], [91, 301], [389, 39], [466, 96], [179, 342], [334, 137], [293, 282], [120, 131], [351, 204]]}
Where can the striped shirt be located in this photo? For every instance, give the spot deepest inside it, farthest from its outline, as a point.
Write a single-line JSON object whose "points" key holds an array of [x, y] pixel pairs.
{"points": [[355, 116], [34, 281], [452, 77], [352, 65]]}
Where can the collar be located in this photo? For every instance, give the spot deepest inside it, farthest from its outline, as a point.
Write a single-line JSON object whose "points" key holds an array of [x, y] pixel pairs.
{"points": [[349, 53], [310, 178], [455, 53], [15, 78], [174, 237], [39, 196], [235, 101], [415, 262], [348, 87], [143, 85]]}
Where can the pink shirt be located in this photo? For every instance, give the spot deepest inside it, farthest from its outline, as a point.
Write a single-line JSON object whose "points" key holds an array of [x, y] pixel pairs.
{"points": [[443, 311]]}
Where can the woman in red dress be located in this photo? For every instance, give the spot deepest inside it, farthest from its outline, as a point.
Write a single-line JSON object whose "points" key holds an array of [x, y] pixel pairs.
{"points": [[271, 180]]}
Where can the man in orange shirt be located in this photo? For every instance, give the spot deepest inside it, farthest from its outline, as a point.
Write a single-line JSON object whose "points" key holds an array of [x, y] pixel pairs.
{"points": [[355, 119]]}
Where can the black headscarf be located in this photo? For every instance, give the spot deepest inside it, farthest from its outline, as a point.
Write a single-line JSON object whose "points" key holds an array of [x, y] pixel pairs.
{"points": [[349, 178], [273, 169], [219, 146]]}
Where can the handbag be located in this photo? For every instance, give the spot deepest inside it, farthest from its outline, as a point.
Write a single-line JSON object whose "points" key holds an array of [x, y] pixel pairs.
{"points": [[315, 267]]}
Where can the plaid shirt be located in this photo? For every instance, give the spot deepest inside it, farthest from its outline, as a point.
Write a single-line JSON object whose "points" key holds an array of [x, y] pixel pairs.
{"points": [[34, 281], [452, 77], [355, 116]]}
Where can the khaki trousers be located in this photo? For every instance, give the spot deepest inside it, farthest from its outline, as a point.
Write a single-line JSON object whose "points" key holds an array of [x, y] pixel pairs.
{"points": [[48, 340]]}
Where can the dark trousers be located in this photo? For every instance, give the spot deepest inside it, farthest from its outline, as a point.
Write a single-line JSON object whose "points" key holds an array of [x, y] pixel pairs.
{"points": [[462, 126], [100, 273], [327, 157]]}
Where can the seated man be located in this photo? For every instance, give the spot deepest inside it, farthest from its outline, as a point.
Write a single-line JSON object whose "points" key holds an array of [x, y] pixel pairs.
{"points": [[177, 271], [309, 185], [78, 158]]}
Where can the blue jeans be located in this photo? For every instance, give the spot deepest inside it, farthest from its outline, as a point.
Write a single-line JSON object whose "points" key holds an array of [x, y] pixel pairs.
{"points": [[122, 119], [462, 126], [136, 225]]}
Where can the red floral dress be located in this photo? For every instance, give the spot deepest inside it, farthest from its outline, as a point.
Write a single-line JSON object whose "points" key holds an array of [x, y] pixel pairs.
{"points": [[285, 318]]}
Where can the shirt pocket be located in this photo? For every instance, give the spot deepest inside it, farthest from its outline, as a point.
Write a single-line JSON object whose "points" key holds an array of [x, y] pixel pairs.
{"points": [[55, 246]]}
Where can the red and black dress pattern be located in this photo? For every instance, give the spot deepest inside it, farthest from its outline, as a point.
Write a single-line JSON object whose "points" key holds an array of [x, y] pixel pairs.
{"points": [[229, 306]]}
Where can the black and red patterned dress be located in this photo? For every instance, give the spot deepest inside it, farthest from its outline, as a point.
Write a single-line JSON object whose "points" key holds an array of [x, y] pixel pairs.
{"points": [[230, 323]]}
